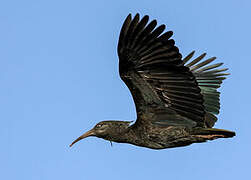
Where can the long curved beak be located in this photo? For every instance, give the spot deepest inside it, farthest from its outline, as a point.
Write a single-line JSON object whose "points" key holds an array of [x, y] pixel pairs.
{"points": [[85, 135]]}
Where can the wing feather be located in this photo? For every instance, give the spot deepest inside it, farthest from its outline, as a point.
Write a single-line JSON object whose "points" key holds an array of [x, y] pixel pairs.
{"points": [[209, 79]]}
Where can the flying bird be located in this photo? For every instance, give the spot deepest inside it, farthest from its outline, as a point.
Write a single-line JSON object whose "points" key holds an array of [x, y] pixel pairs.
{"points": [[176, 99]]}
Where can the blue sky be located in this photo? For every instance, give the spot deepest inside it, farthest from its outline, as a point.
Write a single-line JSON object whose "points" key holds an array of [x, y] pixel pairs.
{"points": [[59, 77]]}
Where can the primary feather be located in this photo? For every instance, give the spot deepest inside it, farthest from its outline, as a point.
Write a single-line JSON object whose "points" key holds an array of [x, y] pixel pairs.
{"points": [[209, 79]]}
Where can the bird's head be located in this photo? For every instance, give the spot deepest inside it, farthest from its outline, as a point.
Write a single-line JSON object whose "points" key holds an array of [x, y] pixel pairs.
{"points": [[105, 130]]}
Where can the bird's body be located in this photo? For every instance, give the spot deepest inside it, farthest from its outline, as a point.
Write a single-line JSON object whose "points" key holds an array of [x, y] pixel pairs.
{"points": [[151, 136], [148, 136], [158, 137], [176, 99]]}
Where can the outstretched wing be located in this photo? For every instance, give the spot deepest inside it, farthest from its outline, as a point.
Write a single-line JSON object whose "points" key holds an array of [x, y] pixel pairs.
{"points": [[165, 91]]}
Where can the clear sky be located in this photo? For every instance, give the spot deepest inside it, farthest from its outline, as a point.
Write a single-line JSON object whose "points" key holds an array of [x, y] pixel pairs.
{"points": [[59, 77]]}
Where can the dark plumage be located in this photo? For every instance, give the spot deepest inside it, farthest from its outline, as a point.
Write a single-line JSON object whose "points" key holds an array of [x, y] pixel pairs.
{"points": [[176, 100]]}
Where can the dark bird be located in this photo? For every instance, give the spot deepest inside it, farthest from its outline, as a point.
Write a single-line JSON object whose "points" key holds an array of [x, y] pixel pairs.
{"points": [[176, 99]]}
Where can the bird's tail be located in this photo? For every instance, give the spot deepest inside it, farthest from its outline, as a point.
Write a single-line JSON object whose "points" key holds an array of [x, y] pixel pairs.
{"points": [[213, 133]]}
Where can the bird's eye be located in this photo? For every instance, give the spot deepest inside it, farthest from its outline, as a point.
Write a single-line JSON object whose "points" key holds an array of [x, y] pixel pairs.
{"points": [[99, 125]]}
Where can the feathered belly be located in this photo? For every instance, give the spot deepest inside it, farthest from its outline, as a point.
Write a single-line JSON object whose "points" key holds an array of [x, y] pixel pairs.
{"points": [[162, 137]]}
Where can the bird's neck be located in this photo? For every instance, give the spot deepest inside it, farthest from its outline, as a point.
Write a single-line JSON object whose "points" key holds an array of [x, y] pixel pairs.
{"points": [[121, 135]]}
